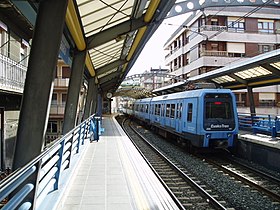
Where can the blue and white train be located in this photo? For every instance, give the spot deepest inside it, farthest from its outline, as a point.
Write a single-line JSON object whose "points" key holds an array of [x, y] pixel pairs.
{"points": [[204, 117]]}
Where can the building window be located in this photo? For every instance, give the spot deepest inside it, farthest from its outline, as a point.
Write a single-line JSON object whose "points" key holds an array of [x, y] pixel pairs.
{"points": [[265, 48], [54, 99], [214, 47], [214, 22], [235, 26], [64, 98], [175, 63], [66, 72], [52, 127], [265, 27]]}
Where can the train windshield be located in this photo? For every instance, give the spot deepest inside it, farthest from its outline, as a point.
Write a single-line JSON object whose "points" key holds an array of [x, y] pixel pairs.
{"points": [[217, 109], [218, 112]]}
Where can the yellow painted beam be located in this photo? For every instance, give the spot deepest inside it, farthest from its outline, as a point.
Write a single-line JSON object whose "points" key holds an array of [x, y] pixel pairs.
{"points": [[74, 27], [271, 81], [89, 65], [151, 10], [235, 86], [137, 39], [147, 18]]}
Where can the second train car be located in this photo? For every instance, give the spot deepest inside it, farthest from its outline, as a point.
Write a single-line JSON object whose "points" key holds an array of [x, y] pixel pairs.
{"points": [[203, 117]]}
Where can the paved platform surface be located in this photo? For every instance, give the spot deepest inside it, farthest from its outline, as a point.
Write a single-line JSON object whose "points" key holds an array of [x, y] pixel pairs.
{"points": [[261, 139], [112, 175]]}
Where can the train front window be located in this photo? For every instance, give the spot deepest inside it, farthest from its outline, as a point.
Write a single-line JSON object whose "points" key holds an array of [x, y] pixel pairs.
{"points": [[217, 109], [218, 112]]}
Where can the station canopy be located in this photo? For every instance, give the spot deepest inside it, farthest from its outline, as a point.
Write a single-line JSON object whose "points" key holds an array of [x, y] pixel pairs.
{"points": [[114, 33]]}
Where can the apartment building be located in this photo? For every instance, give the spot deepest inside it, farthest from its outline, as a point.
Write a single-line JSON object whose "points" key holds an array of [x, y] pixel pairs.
{"points": [[58, 102], [216, 37], [149, 79]]}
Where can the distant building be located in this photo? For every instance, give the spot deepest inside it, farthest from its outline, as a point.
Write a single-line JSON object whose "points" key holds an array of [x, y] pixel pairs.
{"points": [[214, 38], [150, 79], [58, 102]]}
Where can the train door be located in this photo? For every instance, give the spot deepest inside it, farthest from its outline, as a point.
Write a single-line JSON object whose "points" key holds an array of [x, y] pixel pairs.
{"points": [[162, 114], [190, 121], [172, 115], [178, 117], [167, 115]]}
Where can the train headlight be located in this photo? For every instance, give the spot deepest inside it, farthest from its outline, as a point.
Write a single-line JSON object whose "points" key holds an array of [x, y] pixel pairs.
{"points": [[229, 134], [208, 135]]}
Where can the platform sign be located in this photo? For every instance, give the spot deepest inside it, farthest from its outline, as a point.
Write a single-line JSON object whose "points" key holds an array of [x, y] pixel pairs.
{"points": [[64, 51]]}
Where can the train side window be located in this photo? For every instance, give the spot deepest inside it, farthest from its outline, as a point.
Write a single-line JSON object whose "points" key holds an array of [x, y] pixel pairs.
{"points": [[190, 111], [162, 110], [152, 109], [172, 113], [157, 109], [179, 111], [167, 110], [146, 108]]}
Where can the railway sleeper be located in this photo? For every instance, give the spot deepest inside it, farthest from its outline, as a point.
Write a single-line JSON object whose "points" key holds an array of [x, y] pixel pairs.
{"points": [[171, 176], [202, 204]]}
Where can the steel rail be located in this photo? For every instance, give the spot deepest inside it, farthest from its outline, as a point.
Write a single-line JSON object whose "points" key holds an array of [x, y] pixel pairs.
{"points": [[208, 198]]}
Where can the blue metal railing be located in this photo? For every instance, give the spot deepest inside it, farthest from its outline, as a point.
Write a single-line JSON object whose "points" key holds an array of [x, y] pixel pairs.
{"points": [[260, 123], [28, 187]]}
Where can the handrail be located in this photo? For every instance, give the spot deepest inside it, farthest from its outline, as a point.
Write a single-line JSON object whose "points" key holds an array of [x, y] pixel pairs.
{"points": [[27, 187], [252, 121]]}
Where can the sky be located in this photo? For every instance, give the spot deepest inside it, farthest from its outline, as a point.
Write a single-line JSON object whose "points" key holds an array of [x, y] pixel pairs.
{"points": [[152, 56]]}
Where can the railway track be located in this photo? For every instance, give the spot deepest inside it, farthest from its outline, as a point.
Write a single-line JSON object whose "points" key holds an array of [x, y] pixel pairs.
{"points": [[264, 183], [184, 188]]}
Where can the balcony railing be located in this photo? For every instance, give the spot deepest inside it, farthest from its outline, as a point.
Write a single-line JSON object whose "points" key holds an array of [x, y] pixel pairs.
{"points": [[12, 75], [214, 53], [237, 30], [213, 28], [220, 53], [61, 82], [57, 109]]}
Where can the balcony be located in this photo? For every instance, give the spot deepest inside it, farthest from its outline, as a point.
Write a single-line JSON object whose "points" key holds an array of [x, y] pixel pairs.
{"points": [[213, 28], [61, 82], [231, 34], [57, 109], [220, 54], [12, 75]]}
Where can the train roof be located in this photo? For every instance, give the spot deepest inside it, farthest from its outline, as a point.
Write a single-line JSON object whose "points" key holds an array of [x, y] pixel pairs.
{"points": [[181, 95]]}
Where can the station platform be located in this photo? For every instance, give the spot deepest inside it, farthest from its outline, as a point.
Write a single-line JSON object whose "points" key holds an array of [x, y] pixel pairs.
{"points": [[259, 148], [261, 139], [111, 174]]}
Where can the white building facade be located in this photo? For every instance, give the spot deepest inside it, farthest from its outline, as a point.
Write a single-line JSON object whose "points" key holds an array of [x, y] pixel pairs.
{"points": [[216, 37]]}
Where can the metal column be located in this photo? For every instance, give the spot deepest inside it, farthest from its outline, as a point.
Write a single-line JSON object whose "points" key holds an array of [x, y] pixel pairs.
{"points": [[251, 100], [91, 99], [74, 90], [39, 81], [99, 105], [94, 100]]}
